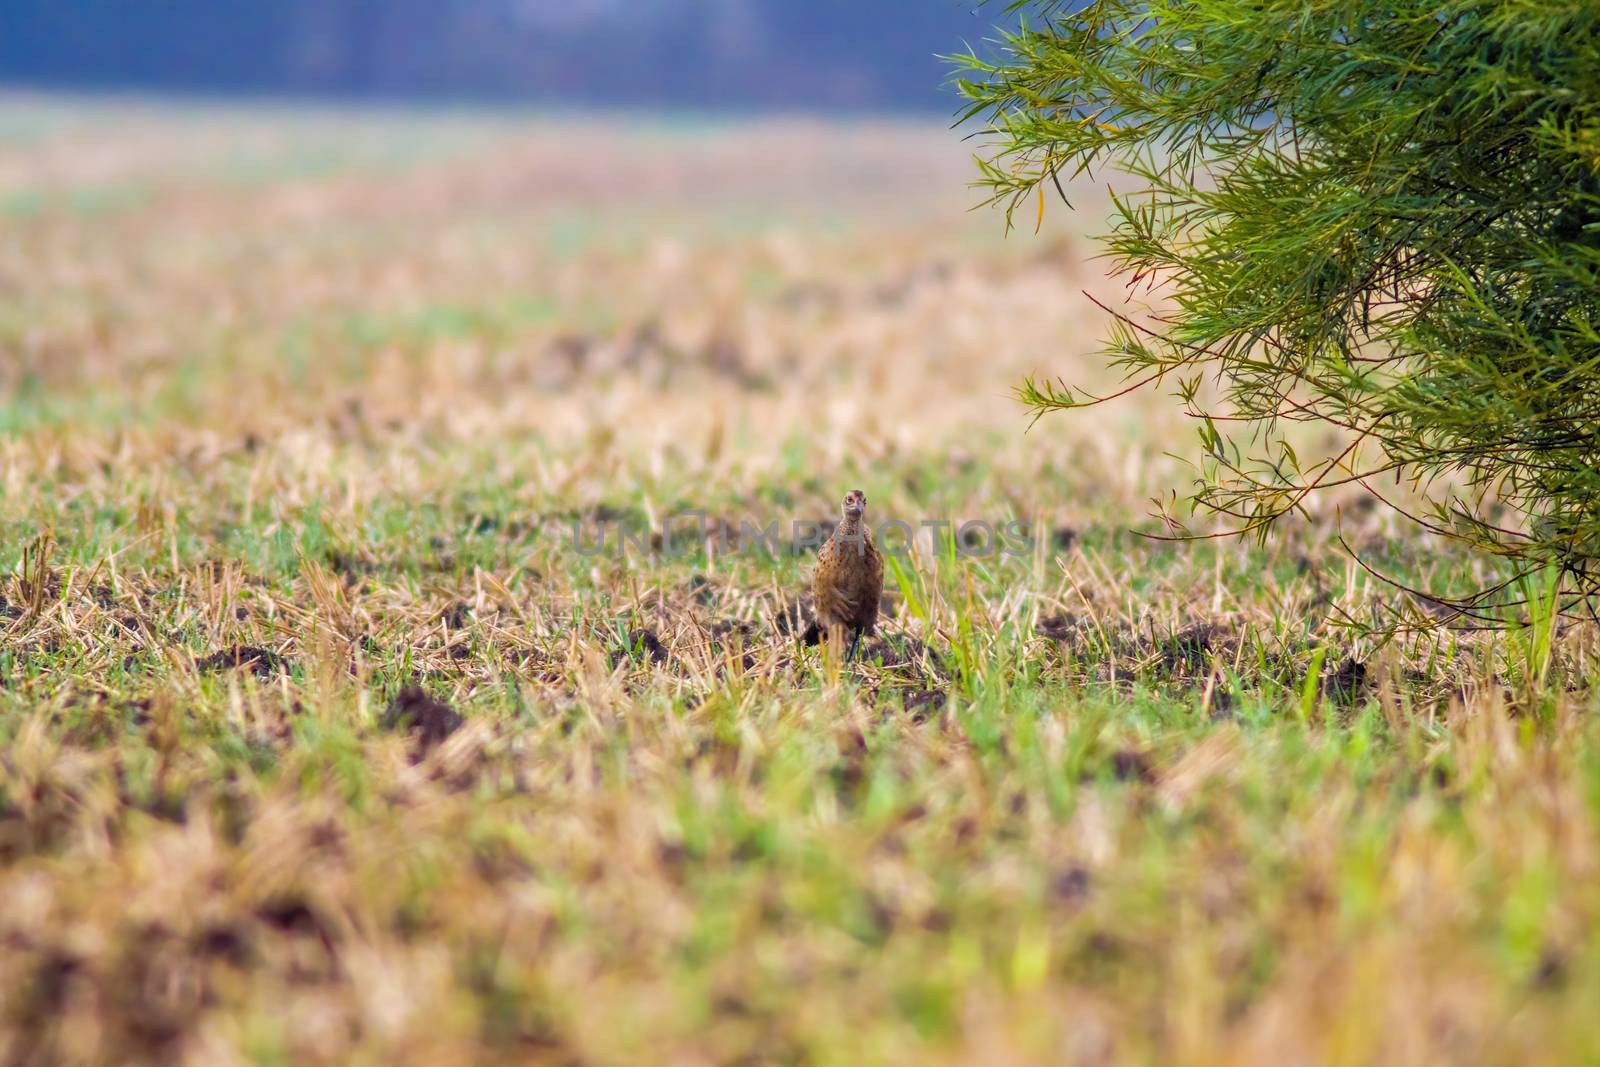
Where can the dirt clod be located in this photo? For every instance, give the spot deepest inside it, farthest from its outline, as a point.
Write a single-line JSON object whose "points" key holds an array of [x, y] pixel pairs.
{"points": [[647, 643], [1131, 765], [701, 588], [1190, 647], [923, 704], [262, 662], [1347, 683], [1059, 627], [1071, 884], [429, 720], [792, 617]]}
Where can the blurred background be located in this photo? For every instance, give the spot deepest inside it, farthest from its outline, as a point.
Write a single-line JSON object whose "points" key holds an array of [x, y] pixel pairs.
{"points": [[726, 54], [244, 215]]}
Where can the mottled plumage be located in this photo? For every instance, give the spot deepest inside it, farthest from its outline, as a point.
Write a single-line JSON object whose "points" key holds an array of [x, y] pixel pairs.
{"points": [[849, 579]]}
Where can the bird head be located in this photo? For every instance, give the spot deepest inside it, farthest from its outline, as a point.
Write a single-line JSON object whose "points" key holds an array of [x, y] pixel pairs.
{"points": [[855, 503]]}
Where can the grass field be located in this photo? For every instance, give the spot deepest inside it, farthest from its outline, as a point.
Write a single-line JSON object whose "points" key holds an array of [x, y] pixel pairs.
{"points": [[328, 738]]}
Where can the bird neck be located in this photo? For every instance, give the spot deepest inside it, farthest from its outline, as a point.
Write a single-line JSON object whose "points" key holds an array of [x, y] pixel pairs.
{"points": [[850, 525]]}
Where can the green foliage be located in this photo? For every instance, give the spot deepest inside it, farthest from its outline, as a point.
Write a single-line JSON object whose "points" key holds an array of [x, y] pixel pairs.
{"points": [[1379, 219]]}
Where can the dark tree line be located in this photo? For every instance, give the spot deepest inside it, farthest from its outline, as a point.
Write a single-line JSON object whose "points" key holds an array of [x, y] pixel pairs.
{"points": [[723, 53]]}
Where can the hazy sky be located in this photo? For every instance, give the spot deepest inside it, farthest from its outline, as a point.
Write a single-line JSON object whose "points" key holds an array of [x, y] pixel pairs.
{"points": [[815, 54]]}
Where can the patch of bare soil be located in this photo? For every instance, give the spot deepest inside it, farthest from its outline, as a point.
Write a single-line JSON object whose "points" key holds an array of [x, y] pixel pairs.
{"points": [[645, 643], [923, 704], [262, 662], [427, 719]]}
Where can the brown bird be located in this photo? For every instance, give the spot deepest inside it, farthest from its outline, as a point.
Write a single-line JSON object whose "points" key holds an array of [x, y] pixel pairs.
{"points": [[848, 580]]}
